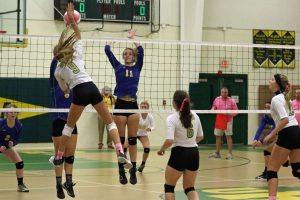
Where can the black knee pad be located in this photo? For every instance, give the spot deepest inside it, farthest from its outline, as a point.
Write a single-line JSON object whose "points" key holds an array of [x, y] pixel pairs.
{"points": [[286, 164], [187, 190], [146, 150], [295, 168], [271, 174], [20, 165], [132, 140], [70, 159], [169, 188], [267, 153], [122, 139]]}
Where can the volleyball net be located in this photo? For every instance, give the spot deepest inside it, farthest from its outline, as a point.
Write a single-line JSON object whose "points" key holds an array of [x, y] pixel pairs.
{"points": [[202, 69]]}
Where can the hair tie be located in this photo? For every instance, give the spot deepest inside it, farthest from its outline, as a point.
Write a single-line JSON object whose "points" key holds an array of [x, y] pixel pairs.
{"points": [[287, 87], [182, 104]]}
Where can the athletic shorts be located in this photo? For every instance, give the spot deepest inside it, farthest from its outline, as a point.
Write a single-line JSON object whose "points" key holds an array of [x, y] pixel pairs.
{"points": [[85, 94], [58, 126], [127, 105], [228, 131], [184, 158], [289, 138]]}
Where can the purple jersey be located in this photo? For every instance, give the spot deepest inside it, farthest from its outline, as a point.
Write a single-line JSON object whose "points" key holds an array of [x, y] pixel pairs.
{"points": [[265, 122], [127, 78], [9, 134], [58, 96]]}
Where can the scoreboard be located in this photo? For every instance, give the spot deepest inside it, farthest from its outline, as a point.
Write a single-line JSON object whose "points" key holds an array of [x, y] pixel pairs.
{"points": [[136, 11]]}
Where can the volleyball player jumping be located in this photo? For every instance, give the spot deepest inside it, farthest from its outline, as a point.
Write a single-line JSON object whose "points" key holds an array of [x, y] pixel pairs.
{"points": [[70, 74], [127, 78]]}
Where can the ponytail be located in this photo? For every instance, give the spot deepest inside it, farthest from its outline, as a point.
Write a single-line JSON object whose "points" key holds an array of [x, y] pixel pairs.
{"points": [[285, 88], [183, 105]]}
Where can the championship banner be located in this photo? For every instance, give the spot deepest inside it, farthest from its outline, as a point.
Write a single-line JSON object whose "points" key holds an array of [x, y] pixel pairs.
{"points": [[273, 58], [288, 55], [260, 55], [275, 55]]}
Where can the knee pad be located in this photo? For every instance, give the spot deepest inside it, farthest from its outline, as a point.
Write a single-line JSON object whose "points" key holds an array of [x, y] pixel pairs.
{"points": [[111, 126], [187, 190], [132, 140], [20, 165], [67, 130], [271, 174], [286, 164], [70, 159], [169, 188], [146, 150], [267, 153], [122, 139], [295, 168]]}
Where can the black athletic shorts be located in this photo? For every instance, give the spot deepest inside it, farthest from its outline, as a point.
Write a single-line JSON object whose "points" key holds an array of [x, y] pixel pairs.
{"points": [[289, 138], [184, 158], [85, 94], [127, 105], [58, 126]]}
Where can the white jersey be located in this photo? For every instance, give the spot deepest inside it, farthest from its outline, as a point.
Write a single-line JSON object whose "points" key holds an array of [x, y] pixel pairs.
{"points": [[183, 137], [279, 110], [73, 74], [148, 122]]}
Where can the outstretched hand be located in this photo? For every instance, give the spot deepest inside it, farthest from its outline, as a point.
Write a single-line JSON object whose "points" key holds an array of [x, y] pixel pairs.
{"points": [[70, 12], [131, 33]]}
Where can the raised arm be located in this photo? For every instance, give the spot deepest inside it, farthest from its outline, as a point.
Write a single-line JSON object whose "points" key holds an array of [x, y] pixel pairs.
{"points": [[111, 57], [140, 50], [73, 24], [131, 34]]}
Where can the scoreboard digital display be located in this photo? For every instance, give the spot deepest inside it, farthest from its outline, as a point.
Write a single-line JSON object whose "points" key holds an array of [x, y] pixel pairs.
{"points": [[137, 11]]}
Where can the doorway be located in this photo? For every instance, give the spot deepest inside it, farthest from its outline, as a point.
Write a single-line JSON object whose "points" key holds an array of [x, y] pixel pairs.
{"points": [[207, 89]]}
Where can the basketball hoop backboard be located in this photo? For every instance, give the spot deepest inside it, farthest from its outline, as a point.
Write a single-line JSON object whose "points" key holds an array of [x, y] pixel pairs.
{"points": [[12, 21]]}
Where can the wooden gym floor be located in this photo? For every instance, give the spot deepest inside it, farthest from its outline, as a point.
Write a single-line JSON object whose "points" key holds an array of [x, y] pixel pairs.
{"points": [[96, 177]]}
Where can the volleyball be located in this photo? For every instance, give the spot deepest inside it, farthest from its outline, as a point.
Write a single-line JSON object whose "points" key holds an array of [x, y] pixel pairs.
{"points": [[77, 17]]}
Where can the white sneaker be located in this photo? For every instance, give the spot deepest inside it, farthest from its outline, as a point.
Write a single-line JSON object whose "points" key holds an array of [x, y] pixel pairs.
{"points": [[55, 162], [51, 159], [22, 188], [214, 155], [229, 157], [122, 158]]}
